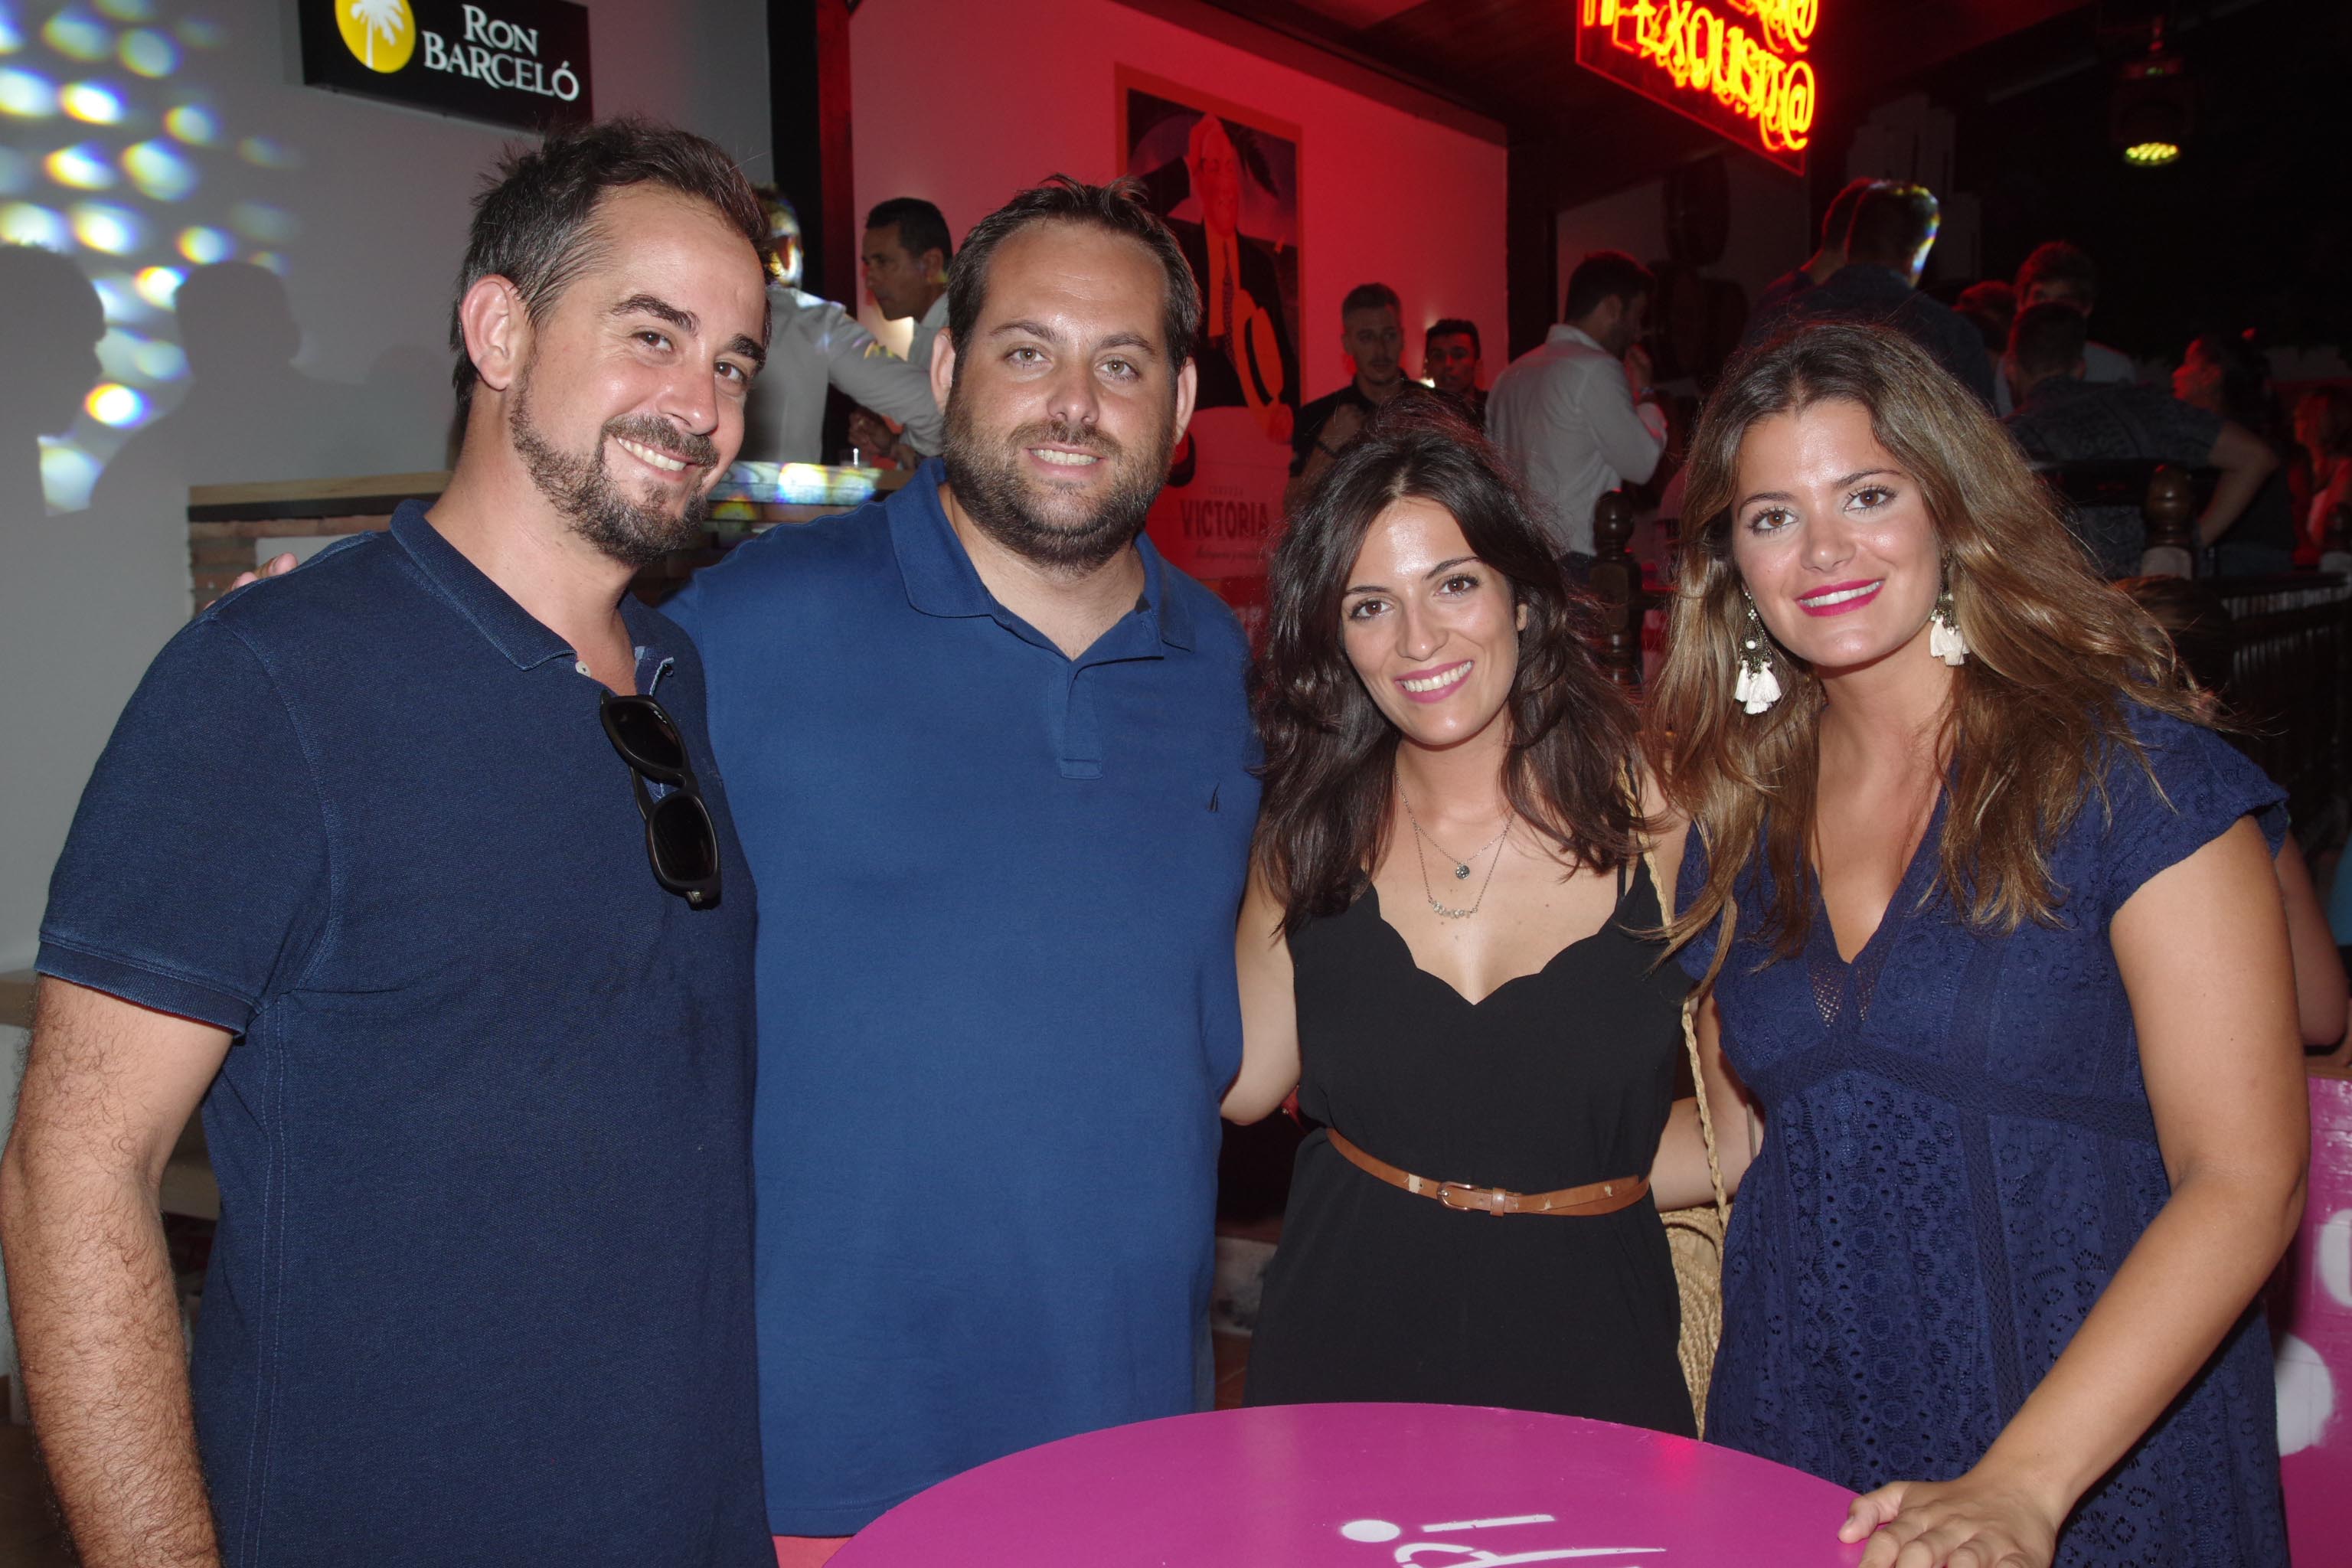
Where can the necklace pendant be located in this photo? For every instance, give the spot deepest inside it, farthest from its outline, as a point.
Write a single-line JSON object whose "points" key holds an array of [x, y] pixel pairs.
{"points": [[1461, 873]]}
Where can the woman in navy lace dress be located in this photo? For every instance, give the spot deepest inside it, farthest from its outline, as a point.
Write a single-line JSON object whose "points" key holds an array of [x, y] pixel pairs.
{"points": [[2007, 984]]}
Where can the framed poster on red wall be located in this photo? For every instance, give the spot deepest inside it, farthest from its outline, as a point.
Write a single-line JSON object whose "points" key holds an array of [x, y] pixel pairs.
{"points": [[1226, 180]]}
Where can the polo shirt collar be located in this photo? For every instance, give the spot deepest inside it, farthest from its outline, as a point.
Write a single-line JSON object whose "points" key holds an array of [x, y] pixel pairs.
{"points": [[941, 580], [505, 624], [1562, 333]]}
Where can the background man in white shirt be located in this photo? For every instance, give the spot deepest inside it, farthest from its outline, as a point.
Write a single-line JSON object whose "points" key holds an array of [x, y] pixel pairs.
{"points": [[1578, 414], [904, 255], [818, 343]]}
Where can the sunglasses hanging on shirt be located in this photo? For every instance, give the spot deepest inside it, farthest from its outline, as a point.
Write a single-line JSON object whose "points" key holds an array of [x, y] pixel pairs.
{"points": [[680, 838]]}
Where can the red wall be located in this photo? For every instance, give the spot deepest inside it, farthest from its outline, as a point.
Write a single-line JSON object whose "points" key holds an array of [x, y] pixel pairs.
{"points": [[965, 103]]}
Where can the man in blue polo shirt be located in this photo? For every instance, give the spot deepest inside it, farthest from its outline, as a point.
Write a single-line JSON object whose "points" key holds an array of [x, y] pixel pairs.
{"points": [[361, 859], [989, 757]]}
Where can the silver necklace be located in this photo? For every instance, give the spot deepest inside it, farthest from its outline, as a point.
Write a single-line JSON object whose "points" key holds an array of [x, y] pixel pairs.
{"points": [[1461, 867]]}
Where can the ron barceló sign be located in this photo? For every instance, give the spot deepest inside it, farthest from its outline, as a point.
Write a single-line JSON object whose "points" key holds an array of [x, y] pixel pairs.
{"points": [[510, 62]]}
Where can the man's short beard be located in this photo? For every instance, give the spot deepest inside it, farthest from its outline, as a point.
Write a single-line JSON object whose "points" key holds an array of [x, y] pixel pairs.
{"points": [[988, 482], [582, 488]]}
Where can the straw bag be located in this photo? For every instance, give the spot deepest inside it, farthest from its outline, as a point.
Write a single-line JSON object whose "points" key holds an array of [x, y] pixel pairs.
{"points": [[1695, 1236]]}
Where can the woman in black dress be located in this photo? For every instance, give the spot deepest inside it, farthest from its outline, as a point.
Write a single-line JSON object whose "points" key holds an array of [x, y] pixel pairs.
{"points": [[1443, 948]]}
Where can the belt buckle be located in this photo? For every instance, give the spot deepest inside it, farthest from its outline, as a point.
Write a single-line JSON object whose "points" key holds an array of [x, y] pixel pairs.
{"points": [[1473, 1200]]}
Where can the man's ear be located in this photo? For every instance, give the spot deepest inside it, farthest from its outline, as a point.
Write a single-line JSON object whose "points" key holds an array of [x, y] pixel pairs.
{"points": [[498, 331], [935, 266], [942, 367], [1188, 387]]}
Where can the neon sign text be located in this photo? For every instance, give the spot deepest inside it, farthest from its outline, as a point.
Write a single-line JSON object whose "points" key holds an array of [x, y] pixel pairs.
{"points": [[1744, 81]]}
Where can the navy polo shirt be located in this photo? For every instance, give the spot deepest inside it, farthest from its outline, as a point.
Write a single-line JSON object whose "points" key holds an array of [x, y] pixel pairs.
{"points": [[481, 1291], [997, 1004]]}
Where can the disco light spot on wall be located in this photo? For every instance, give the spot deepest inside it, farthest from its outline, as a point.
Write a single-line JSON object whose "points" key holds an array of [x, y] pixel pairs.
{"points": [[264, 153], [161, 174], [148, 53], [76, 35], [192, 123], [103, 226], [80, 168], [27, 95], [159, 361], [264, 223], [118, 296], [206, 246], [114, 185], [67, 474], [25, 222], [92, 102], [112, 404], [157, 285], [124, 355]]}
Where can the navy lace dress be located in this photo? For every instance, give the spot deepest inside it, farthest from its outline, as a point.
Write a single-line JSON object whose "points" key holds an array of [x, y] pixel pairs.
{"points": [[1958, 1154]]}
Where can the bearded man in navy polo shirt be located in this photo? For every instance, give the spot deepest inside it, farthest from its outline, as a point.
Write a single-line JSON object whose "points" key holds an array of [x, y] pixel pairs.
{"points": [[990, 755], [361, 869]]}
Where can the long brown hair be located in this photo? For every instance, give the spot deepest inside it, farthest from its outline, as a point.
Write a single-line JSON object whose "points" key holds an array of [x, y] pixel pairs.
{"points": [[1330, 755], [2056, 657]]}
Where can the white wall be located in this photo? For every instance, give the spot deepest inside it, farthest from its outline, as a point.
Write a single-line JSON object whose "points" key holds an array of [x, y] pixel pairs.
{"points": [[952, 104], [367, 206]]}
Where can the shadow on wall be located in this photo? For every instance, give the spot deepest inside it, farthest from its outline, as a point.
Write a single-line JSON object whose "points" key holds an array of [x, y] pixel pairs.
{"points": [[247, 413], [87, 598], [52, 322]]}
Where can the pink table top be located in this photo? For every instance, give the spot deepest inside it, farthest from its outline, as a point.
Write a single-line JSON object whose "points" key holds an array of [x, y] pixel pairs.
{"points": [[1366, 1486]]}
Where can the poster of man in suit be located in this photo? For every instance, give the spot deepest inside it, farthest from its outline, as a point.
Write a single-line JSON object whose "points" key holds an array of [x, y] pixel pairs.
{"points": [[1226, 181]]}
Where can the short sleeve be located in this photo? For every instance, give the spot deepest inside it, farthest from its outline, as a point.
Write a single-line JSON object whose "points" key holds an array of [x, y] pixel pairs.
{"points": [[194, 879], [2195, 787]]}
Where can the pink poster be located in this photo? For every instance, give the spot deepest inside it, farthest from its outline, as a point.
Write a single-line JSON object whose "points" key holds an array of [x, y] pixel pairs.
{"points": [[1226, 179]]}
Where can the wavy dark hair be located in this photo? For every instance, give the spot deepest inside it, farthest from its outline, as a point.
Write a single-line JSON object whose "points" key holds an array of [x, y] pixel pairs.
{"points": [[2056, 657], [1330, 755], [535, 221]]}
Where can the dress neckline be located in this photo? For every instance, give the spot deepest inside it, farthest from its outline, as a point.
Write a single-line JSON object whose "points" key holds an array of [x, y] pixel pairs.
{"points": [[1898, 903], [1372, 894]]}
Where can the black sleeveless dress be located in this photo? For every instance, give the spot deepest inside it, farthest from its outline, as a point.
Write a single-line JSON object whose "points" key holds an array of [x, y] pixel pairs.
{"points": [[1559, 1078]]}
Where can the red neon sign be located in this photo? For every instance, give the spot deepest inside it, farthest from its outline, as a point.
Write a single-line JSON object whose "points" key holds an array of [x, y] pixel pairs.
{"points": [[1744, 79]]}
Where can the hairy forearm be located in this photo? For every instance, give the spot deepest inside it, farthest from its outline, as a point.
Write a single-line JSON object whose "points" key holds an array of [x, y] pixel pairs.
{"points": [[2180, 1288], [98, 1334]]}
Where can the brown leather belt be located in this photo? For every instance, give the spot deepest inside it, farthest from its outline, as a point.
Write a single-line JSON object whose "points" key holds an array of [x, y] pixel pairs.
{"points": [[1592, 1198]]}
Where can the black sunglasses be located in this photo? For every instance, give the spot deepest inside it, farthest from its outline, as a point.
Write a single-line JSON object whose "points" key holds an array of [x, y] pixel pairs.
{"points": [[679, 837]]}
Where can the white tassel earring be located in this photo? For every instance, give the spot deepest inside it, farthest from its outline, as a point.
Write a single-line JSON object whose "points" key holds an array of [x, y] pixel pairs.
{"points": [[1756, 687], [1943, 639]]}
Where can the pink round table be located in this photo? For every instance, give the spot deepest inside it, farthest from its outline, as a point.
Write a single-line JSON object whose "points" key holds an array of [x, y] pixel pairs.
{"points": [[1365, 1486]]}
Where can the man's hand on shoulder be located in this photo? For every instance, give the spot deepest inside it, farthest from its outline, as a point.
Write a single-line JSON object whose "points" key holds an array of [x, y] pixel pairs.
{"points": [[276, 566]]}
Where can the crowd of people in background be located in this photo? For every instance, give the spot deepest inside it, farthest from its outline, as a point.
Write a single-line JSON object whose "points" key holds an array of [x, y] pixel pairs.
{"points": [[573, 1212], [2271, 489]]}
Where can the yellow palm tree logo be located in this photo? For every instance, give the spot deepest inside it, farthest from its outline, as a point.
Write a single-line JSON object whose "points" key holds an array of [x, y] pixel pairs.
{"points": [[381, 33]]}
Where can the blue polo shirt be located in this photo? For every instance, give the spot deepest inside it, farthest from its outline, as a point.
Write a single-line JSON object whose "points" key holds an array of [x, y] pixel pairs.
{"points": [[997, 1005], [481, 1291]]}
